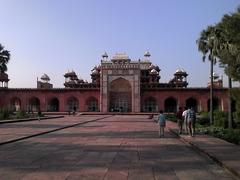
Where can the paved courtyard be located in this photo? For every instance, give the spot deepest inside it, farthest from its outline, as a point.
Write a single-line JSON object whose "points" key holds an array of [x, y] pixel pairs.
{"points": [[112, 147]]}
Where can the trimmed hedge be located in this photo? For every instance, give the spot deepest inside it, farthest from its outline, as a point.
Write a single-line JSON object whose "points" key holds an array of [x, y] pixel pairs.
{"points": [[230, 135]]}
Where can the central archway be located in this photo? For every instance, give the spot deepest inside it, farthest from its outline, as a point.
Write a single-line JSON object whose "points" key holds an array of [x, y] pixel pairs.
{"points": [[120, 96]]}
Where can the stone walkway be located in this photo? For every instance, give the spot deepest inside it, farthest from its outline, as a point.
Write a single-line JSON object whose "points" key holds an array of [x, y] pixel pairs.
{"points": [[117, 147], [223, 152], [12, 131]]}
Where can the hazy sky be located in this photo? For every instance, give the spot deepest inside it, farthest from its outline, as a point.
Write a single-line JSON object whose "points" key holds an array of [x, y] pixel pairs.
{"points": [[52, 36]]}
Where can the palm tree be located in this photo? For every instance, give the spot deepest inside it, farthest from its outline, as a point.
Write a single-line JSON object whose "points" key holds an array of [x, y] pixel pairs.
{"points": [[4, 58], [222, 42], [208, 46]]}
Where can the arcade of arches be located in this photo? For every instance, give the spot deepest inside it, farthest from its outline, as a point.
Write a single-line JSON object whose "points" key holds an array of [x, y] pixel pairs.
{"points": [[120, 100], [54, 104], [120, 97], [171, 104]]}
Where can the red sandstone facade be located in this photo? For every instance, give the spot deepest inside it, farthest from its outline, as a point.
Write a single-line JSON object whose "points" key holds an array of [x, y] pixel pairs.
{"points": [[119, 85]]}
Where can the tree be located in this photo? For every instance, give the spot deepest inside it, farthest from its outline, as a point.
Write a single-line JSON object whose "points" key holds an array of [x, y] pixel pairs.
{"points": [[4, 59], [207, 45], [229, 54], [229, 51], [222, 42]]}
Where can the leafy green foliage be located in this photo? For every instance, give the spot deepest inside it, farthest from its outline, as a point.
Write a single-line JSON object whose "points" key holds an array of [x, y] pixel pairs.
{"points": [[222, 42], [228, 50], [171, 117], [4, 114], [4, 58], [230, 135], [21, 114], [203, 118], [219, 128], [220, 119], [235, 93]]}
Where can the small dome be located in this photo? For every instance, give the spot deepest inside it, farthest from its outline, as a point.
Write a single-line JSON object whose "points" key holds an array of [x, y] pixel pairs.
{"points": [[70, 74], [151, 67], [45, 77], [157, 68], [179, 71], [105, 55], [71, 82], [183, 70], [95, 71], [73, 73], [147, 54], [99, 67], [81, 81], [153, 71], [215, 75]]}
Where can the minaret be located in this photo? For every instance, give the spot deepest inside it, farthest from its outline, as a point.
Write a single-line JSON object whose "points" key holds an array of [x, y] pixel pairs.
{"points": [[105, 56], [147, 56]]}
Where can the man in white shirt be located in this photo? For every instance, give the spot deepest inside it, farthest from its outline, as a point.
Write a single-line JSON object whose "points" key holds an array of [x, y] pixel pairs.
{"points": [[184, 115]]}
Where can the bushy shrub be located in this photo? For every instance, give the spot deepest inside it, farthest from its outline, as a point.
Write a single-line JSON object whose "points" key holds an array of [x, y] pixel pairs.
{"points": [[236, 117], [203, 118], [21, 114], [230, 135], [235, 93], [4, 114], [220, 119], [171, 117]]}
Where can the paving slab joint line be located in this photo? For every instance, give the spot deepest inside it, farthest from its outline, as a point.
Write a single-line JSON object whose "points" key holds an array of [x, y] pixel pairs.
{"points": [[232, 171], [54, 130], [29, 119]]}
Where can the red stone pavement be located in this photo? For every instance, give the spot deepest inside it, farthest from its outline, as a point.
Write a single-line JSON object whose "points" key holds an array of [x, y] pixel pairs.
{"points": [[11, 131], [116, 147], [223, 152]]}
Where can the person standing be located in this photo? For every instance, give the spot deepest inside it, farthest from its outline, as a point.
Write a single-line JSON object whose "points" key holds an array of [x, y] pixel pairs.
{"points": [[191, 118], [180, 120], [162, 123], [39, 115], [74, 110], [184, 117]]}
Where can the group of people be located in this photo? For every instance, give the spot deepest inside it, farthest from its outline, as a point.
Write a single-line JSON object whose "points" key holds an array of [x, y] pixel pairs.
{"points": [[185, 118]]}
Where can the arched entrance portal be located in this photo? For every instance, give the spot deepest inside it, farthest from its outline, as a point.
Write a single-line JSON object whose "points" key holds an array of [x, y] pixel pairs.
{"points": [[15, 104], [170, 105], [192, 103], [53, 105], [120, 96], [34, 104]]}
